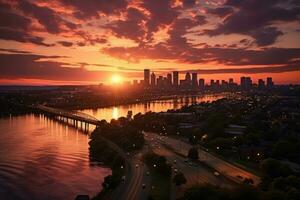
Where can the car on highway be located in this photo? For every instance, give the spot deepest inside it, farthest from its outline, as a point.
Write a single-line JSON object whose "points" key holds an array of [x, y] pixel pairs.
{"points": [[144, 186], [147, 173], [174, 161], [216, 173], [240, 177], [137, 165]]}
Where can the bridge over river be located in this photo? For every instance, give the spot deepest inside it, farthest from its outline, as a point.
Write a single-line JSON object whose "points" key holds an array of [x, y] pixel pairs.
{"points": [[71, 117]]}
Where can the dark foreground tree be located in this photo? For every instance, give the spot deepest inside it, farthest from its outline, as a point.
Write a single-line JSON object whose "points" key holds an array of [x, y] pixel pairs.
{"points": [[179, 179], [193, 153]]}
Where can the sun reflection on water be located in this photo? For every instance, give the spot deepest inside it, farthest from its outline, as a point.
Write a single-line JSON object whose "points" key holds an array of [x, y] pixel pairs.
{"points": [[115, 113]]}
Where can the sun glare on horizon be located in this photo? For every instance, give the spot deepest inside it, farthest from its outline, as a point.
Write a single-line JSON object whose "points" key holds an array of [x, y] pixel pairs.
{"points": [[116, 79]]}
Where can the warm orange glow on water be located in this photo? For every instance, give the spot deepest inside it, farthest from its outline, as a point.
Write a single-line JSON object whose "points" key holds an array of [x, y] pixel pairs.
{"points": [[45, 160], [115, 112]]}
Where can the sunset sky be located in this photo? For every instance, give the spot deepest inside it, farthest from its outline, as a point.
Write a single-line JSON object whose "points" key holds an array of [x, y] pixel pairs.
{"points": [[45, 42]]}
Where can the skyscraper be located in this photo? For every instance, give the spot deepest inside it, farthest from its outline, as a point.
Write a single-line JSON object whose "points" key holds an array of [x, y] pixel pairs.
{"points": [[146, 77], [175, 78], [270, 83], [153, 79], [261, 84], [159, 82], [246, 83], [169, 80], [201, 84], [194, 80], [188, 77]]}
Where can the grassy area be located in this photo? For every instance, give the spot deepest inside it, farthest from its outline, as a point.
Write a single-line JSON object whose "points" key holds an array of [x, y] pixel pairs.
{"points": [[162, 186]]}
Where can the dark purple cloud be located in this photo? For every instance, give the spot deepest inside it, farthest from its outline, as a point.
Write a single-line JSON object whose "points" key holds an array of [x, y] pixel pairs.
{"points": [[45, 16], [266, 35], [252, 70], [255, 18], [65, 43], [227, 56], [28, 67], [161, 14], [132, 27], [221, 11], [14, 51], [83, 9], [21, 36], [188, 3]]}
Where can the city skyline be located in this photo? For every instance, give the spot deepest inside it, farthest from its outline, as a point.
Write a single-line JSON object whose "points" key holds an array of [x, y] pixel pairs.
{"points": [[191, 81], [75, 42]]}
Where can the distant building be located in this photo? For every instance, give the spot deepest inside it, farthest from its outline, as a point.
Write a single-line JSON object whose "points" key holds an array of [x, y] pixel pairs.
{"points": [[153, 79], [188, 77], [246, 83], [159, 82], [147, 77], [194, 80], [169, 79], [270, 83], [135, 82], [175, 78], [261, 84], [201, 84]]}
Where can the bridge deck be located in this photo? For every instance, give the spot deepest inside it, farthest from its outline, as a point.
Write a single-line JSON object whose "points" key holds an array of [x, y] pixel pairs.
{"points": [[79, 116]]}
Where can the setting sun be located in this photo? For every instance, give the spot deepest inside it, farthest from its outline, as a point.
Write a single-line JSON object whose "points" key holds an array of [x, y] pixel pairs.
{"points": [[116, 79]]}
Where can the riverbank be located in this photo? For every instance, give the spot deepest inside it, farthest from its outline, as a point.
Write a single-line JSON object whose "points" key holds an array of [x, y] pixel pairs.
{"points": [[139, 100]]}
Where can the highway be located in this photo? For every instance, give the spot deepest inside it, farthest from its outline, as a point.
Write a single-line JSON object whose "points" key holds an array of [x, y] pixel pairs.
{"points": [[194, 173], [134, 189], [135, 177], [227, 169]]}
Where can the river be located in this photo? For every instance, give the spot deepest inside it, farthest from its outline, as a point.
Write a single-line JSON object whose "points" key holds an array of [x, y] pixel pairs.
{"points": [[114, 112], [41, 159]]}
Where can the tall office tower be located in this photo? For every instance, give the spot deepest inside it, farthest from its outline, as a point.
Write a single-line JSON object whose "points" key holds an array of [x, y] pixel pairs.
{"points": [[175, 78], [188, 76], [231, 81], [169, 79], [261, 84], [243, 82], [246, 83], [201, 84], [147, 77], [159, 82], [153, 79], [270, 83], [194, 80], [249, 82], [212, 83], [187, 81]]}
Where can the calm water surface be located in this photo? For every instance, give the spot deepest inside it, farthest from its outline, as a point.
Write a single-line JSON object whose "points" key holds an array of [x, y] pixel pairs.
{"points": [[115, 112], [43, 159]]}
